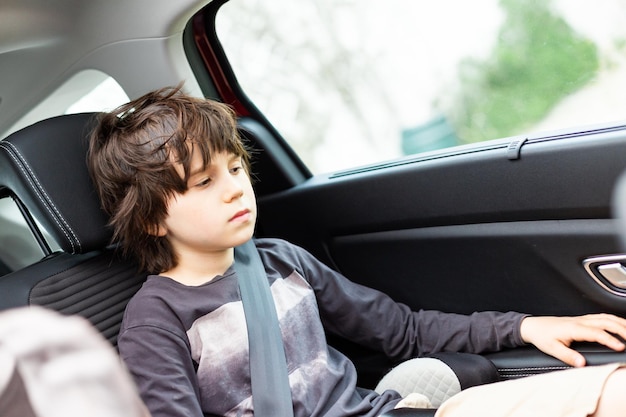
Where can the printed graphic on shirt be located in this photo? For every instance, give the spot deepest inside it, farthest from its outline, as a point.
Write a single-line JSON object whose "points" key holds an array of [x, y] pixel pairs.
{"points": [[219, 344]]}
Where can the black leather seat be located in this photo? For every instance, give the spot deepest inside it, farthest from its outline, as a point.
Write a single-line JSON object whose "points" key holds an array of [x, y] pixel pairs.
{"points": [[43, 168]]}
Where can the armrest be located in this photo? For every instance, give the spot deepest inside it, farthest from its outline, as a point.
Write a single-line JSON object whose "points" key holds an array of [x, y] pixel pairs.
{"points": [[528, 361]]}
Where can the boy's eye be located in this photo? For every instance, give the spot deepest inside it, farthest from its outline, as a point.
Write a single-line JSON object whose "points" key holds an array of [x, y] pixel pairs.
{"points": [[204, 182], [236, 169]]}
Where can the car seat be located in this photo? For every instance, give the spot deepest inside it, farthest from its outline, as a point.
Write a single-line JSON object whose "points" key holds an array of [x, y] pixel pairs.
{"points": [[43, 168]]}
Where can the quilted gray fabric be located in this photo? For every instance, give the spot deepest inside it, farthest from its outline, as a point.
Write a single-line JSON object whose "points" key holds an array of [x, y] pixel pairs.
{"points": [[98, 289], [427, 376]]}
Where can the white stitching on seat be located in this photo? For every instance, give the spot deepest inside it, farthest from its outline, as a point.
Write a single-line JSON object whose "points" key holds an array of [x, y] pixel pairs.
{"points": [[523, 372], [41, 193], [540, 368]]}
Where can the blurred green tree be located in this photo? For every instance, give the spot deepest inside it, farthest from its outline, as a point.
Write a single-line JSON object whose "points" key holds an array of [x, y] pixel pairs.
{"points": [[537, 61]]}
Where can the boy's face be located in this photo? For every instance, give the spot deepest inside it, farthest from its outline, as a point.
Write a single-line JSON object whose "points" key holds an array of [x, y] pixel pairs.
{"points": [[217, 212]]}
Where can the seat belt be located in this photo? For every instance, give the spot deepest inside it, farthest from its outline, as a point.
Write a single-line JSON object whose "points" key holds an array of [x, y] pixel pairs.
{"points": [[271, 394]]}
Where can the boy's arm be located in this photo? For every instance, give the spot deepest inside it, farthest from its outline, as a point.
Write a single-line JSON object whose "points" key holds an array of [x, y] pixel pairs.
{"points": [[373, 319], [161, 365], [369, 317]]}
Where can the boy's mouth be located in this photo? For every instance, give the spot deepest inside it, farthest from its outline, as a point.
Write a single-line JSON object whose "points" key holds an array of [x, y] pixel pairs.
{"points": [[240, 215]]}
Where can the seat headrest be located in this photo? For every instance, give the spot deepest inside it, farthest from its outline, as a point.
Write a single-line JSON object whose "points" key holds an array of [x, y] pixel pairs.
{"points": [[44, 166]]}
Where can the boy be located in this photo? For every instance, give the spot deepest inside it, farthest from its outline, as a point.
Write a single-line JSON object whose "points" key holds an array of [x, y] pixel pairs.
{"points": [[173, 175]]}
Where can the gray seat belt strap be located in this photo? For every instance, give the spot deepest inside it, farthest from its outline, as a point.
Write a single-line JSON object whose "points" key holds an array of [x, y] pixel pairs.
{"points": [[271, 395]]}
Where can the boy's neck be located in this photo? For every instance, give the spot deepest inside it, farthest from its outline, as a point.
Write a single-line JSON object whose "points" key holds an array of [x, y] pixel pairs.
{"points": [[195, 269]]}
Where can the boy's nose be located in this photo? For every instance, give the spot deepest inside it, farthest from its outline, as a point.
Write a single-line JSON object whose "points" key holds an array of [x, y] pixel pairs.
{"points": [[233, 189]]}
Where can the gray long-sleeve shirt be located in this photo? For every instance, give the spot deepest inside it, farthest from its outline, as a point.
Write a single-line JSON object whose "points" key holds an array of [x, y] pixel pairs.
{"points": [[187, 347]]}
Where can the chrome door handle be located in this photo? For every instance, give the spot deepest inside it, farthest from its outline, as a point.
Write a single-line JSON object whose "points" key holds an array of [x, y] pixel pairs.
{"points": [[609, 272], [614, 273]]}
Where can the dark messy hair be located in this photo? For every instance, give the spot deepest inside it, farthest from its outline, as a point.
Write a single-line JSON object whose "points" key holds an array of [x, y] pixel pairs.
{"points": [[132, 159]]}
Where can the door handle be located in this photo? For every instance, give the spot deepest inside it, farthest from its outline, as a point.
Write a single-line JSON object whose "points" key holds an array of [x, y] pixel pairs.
{"points": [[614, 273], [609, 272]]}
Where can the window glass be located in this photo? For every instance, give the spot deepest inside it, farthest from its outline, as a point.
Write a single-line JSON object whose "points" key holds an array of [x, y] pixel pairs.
{"points": [[18, 247], [86, 91], [351, 82]]}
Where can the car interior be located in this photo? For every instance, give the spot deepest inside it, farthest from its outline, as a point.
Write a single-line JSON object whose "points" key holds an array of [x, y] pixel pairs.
{"points": [[522, 223]]}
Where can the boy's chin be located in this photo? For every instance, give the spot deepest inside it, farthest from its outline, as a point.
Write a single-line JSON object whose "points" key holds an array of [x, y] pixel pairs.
{"points": [[243, 238]]}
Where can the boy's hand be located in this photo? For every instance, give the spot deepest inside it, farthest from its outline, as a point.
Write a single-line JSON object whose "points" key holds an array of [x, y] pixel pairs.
{"points": [[554, 335]]}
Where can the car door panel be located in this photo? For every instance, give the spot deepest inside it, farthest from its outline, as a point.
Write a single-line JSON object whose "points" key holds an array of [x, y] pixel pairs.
{"points": [[524, 266], [468, 217], [558, 179], [475, 228]]}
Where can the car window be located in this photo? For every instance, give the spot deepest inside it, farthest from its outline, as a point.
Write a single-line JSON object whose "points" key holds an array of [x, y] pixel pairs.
{"points": [[86, 91], [351, 82], [18, 247]]}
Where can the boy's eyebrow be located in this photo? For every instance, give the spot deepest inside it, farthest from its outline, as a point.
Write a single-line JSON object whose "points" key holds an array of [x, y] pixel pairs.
{"points": [[201, 169]]}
